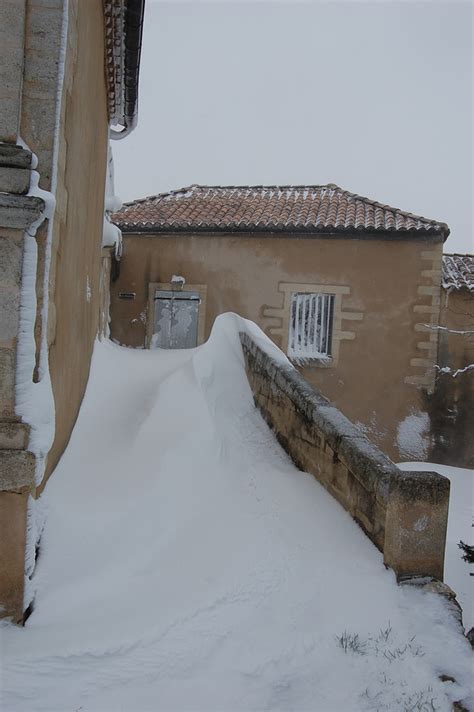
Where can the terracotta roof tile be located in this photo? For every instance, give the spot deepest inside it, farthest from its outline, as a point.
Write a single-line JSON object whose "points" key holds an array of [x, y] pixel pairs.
{"points": [[310, 208], [458, 272]]}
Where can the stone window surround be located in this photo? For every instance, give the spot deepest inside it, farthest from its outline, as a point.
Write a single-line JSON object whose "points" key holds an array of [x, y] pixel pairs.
{"points": [[282, 329], [422, 367], [153, 287]]}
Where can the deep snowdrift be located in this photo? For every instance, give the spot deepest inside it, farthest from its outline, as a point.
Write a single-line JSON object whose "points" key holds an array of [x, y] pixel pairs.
{"points": [[187, 565]]}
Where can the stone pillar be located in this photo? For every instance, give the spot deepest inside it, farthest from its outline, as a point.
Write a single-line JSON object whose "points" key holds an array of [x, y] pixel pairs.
{"points": [[13, 513], [12, 41], [416, 523], [17, 465], [30, 43]]}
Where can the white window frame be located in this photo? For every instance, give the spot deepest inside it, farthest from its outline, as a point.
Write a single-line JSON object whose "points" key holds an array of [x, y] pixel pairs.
{"points": [[311, 325]]}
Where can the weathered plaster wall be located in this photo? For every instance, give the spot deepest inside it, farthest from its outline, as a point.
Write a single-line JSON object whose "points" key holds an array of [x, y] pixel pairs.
{"points": [[74, 283], [388, 291], [405, 514], [451, 407]]}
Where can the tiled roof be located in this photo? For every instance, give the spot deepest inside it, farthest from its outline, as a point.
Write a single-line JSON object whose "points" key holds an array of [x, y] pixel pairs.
{"points": [[123, 24], [305, 208], [458, 272]]}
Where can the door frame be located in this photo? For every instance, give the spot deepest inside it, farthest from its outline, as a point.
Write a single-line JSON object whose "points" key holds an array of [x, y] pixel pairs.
{"points": [[153, 287]]}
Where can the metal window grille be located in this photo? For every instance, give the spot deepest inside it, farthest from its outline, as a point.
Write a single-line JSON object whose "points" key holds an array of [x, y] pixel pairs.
{"points": [[310, 326]]}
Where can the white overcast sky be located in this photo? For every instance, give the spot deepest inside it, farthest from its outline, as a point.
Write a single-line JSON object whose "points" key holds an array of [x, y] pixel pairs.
{"points": [[374, 96]]}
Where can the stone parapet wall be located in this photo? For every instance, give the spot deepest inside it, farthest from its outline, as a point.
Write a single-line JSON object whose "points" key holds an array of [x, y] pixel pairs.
{"points": [[404, 513]]}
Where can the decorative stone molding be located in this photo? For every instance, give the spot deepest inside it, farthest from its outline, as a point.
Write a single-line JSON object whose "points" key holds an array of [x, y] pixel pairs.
{"points": [[422, 367], [279, 330], [405, 514], [17, 470], [14, 435], [15, 165], [19, 211], [12, 155]]}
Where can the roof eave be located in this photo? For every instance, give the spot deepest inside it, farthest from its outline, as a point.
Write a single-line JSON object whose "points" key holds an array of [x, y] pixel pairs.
{"points": [[434, 235], [125, 19]]}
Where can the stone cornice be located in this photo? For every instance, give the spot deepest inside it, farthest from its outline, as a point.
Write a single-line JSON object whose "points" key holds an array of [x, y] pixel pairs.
{"points": [[19, 211]]}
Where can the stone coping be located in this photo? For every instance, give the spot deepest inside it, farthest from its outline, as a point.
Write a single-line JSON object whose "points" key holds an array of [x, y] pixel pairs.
{"points": [[371, 466]]}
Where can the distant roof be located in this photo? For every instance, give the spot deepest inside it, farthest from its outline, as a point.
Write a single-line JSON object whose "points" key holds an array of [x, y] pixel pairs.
{"points": [[272, 208], [458, 272]]}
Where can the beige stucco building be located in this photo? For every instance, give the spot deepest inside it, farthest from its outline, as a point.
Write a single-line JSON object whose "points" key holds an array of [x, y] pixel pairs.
{"points": [[350, 289], [68, 72]]}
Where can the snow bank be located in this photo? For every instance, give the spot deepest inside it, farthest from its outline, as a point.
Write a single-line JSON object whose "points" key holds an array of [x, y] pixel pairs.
{"points": [[187, 564]]}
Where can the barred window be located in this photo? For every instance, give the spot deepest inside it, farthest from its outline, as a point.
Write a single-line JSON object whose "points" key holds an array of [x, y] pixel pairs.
{"points": [[311, 320]]}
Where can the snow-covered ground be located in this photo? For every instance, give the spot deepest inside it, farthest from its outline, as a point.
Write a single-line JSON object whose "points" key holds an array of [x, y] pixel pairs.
{"points": [[186, 564], [460, 528]]}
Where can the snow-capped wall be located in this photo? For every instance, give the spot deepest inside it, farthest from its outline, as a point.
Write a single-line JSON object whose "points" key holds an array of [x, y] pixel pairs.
{"points": [[403, 513]]}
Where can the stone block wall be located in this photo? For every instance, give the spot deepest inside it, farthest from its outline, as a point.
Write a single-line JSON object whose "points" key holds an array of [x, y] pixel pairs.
{"points": [[76, 244], [17, 464], [404, 513]]}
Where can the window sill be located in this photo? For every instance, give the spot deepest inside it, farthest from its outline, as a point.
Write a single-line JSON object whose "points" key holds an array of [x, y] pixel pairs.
{"points": [[313, 362]]}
